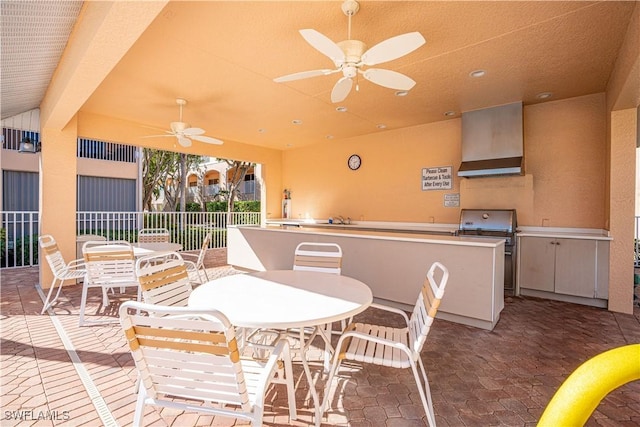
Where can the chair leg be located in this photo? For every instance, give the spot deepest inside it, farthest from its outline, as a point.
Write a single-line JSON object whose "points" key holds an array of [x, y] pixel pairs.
{"points": [[335, 366], [49, 302], [142, 396], [425, 392], [288, 377], [328, 331], [105, 297], [83, 304], [204, 270]]}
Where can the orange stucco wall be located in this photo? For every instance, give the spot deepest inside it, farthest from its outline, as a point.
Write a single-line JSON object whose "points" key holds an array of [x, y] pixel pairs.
{"points": [[388, 184], [565, 162]]}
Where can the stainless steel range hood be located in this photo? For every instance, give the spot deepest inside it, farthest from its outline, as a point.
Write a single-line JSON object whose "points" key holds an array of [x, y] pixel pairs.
{"points": [[492, 142]]}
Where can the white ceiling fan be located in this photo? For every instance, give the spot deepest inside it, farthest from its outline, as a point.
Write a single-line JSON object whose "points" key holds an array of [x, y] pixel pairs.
{"points": [[184, 133], [351, 56]]}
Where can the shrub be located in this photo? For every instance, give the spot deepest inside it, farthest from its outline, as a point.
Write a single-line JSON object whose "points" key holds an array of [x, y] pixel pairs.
{"points": [[193, 207]]}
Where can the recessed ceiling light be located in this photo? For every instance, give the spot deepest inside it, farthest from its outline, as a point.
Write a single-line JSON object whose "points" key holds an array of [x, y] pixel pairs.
{"points": [[296, 122], [449, 113], [329, 136], [544, 95], [381, 126], [402, 93], [341, 109], [477, 73]]}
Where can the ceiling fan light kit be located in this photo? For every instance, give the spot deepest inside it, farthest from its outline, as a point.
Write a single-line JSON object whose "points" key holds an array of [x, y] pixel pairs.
{"points": [[351, 56], [184, 133]]}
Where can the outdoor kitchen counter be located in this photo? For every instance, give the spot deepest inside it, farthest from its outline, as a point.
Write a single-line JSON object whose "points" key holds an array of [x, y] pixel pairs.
{"points": [[392, 264], [564, 233], [401, 227]]}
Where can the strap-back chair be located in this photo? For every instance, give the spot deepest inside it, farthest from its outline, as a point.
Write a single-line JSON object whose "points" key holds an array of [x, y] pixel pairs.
{"points": [[109, 265], [196, 266], [318, 256], [62, 271], [396, 347], [164, 280], [188, 359], [153, 235], [321, 257]]}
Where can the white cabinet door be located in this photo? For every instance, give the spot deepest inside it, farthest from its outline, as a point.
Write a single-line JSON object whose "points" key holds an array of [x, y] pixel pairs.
{"points": [[537, 263], [602, 287], [576, 261]]}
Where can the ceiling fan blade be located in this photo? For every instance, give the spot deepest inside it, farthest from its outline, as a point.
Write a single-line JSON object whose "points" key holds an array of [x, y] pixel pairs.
{"points": [[157, 136], [303, 75], [341, 89], [193, 131], [324, 45], [388, 78], [184, 141], [393, 48], [156, 128], [207, 139]]}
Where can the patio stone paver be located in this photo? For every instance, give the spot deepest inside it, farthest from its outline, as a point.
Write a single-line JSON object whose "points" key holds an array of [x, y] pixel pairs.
{"points": [[505, 377]]}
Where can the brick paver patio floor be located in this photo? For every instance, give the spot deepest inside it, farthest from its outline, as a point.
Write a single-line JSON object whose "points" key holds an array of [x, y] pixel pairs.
{"points": [[55, 373]]}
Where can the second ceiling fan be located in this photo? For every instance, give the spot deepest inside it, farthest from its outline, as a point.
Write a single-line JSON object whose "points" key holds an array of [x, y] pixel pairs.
{"points": [[184, 133], [351, 56]]}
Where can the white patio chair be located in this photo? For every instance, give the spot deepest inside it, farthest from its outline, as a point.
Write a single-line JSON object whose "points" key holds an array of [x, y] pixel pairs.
{"points": [[164, 280], [325, 258], [109, 265], [196, 266], [322, 257], [395, 347], [317, 256], [153, 235], [188, 359], [61, 270]]}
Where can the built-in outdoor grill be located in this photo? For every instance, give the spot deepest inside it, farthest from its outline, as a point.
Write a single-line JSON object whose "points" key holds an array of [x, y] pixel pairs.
{"points": [[497, 224]]}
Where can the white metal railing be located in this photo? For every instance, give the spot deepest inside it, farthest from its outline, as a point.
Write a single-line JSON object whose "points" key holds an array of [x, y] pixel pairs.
{"points": [[86, 148], [19, 239], [104, 150]]}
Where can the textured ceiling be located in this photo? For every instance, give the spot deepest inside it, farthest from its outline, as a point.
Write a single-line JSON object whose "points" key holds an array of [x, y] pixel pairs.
{"points": [[32, 38], [222, 57]]}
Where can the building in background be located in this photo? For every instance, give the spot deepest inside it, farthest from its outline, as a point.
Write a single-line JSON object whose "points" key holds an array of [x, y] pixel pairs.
{"points": [[108, 174]]}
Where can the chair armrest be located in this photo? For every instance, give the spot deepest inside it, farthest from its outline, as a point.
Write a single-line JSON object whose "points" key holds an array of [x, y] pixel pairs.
{"points": [[191, 266], [392, 310], [76, 264]]}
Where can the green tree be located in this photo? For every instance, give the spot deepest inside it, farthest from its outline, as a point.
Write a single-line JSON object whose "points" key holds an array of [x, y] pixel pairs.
{"points": [[166, 171], [237, 169]]}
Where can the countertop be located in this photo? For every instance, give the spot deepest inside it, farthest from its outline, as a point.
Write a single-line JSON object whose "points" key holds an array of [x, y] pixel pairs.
{"points": [[418, 227], [440, 229], [564, 233], [382, 234]]}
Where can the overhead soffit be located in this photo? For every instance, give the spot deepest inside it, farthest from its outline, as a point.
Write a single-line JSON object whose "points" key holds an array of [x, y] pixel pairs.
{"points": [[33, 37]]}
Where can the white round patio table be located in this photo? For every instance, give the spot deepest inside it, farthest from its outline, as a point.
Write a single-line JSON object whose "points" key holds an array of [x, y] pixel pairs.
{"points": [[285, 299], [142, 249], [154, 248]]}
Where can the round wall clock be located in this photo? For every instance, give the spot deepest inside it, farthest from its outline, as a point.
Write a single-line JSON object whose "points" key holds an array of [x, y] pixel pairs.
{"points": [[354, 162]]}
